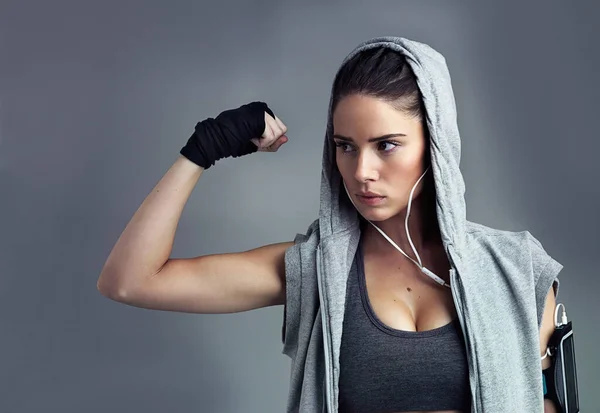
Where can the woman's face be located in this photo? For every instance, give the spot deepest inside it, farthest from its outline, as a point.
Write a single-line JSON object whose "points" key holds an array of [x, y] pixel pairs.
{"points": [[388, 166]]}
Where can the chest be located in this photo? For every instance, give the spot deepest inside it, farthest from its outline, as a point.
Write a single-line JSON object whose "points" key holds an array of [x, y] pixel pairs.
{"points": [[404, 298]]}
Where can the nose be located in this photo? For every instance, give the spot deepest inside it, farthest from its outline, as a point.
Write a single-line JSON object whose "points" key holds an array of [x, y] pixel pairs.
{"points": [[366, 169]]}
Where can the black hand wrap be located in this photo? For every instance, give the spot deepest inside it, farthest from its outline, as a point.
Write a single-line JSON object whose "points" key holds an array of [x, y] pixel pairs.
{"points": [[227, 135]]}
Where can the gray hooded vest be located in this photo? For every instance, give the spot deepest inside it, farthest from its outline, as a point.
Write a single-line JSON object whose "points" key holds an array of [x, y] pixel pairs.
{"points": [[499, 279]]}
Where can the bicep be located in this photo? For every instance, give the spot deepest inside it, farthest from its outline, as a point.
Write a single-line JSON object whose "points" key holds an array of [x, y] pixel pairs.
{"points": [[217, 283]]}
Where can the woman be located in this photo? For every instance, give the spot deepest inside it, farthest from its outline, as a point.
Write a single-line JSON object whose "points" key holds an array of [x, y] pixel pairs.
{"points": [[394, 302]]}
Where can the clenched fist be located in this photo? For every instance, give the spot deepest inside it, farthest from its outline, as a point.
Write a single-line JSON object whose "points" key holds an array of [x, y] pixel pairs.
{"points": [[273, 136]]}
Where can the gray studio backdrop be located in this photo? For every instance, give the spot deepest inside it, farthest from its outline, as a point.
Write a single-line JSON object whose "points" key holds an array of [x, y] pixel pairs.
{"points": [[97, 98]]}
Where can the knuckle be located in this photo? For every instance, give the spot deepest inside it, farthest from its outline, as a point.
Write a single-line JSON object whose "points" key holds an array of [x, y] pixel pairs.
{"points": [[268, 133], [269, 137]]}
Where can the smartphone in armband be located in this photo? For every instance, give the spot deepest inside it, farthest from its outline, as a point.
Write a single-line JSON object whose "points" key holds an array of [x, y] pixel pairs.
{"points": [[561, 376]]}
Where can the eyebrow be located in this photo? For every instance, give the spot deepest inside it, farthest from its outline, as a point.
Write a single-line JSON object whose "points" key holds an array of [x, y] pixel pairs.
{"points": [[377, 139]]}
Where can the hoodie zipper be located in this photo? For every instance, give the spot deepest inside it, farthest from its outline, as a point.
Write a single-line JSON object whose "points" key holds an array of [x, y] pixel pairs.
{"points": [[326, 337], [458, 306]]}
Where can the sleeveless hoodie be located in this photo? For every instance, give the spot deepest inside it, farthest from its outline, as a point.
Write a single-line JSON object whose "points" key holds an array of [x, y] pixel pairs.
{"points": [[499, 279]]}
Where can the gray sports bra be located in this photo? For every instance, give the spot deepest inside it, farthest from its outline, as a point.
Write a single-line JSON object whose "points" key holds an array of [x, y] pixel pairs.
{"points": [[387, 370]]}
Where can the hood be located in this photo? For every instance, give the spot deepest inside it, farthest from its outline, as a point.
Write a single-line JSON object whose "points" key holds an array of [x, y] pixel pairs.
{"points": [[338, 214]]}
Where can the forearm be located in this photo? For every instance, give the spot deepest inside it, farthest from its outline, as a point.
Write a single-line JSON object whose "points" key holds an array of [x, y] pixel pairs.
{"points": [[146, 243]]}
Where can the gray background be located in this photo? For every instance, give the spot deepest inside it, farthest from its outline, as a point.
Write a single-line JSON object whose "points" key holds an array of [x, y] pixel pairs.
{"points": [[97, 98]]}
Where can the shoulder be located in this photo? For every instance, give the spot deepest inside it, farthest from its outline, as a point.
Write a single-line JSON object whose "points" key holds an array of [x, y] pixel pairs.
{"points": [[312, 232], [482, 231], [516, 242], [300, 250], [522, 258]]}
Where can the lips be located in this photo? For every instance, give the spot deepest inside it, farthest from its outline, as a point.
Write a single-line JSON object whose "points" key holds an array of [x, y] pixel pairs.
{"points": [[371, 200]]}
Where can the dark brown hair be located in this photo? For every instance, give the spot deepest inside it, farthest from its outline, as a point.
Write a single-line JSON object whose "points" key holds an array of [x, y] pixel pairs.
{"points": [[382, 73]]}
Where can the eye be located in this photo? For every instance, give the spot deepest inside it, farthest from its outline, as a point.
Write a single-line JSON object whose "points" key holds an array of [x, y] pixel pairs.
{"points": [[380, 145], [392, 144], [341, 145]]}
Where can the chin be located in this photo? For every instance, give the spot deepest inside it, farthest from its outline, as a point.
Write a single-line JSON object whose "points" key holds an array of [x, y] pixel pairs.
{"points": [[375, 214]]}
